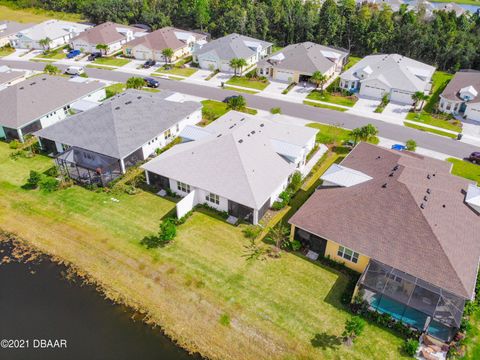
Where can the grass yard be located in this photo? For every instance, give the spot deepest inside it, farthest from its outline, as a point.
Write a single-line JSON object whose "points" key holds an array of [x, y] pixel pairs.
{"points": [[213, 109], [426, 118], [352, 60], [9, 11], [336, 98], [276, 48], [433, 131], [465, 169], [111, 61], [114, 89], [329, 134], [91, 66], [200, 289], [56, 54], [324, 106], [440, 80], [244, 82], [6, 50], [240, 90], [185, 72]]}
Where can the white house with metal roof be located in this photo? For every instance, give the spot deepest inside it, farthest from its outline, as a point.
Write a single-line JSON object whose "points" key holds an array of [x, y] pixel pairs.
{"points": [[238, 164], [217, 53], [394, 75], [58, 31], [42, 100]]}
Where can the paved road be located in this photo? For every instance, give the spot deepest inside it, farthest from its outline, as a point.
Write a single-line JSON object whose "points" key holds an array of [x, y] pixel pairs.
{"points": [[350, 121]]}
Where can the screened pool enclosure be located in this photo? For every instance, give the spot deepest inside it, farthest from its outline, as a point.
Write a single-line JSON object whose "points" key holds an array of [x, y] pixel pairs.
{"points": [[411, 300]]}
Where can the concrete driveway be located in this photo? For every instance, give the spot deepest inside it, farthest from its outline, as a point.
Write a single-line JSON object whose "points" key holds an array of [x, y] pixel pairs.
{"points": [[398, 111], [275, 88], [365, 105], [201, 74], [300, 92]]}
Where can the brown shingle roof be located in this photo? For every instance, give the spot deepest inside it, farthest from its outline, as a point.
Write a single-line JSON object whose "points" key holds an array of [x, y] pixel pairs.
{"points": [[105, 33], [439, 243], [461, 80], [163, 38]]}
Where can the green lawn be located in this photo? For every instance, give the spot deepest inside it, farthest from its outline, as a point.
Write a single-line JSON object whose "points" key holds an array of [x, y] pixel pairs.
{"points": [[240, 90], [337, 98], [276, 48], [9, 11], [440, 80], [331, 107], [6, 50], [186, 72], [465, 169], [244, 82], [433, 131], [352, 60], [114, 89], [278, 309], [329, 134], [112, 61], [213, 109], [56, 54], [426, 118], [100, 67]]}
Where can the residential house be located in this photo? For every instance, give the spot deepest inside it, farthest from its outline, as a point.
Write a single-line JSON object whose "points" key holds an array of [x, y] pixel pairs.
{"points": [[407, 225], [393, 4], [461, 96], [10, 76], [238, 164], [111, 34], [58, 31], [98, 145], [218, 53], [457, 9], [297, 62], [9, 29], [394, 75], [41, 101], [150, 46]]}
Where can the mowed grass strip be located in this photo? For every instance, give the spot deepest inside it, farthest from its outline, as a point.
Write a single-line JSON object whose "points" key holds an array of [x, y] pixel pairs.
{"points": [[465, 169], [277, 309], [430, 130]]}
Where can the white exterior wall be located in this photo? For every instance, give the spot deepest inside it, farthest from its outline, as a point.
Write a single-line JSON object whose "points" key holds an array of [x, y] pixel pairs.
{"points": [[348, 84], [91, 48], [277, 191], [472, 111], [401, 96], [97, 96], [201, 199], [53, 117], [373, 89], [186, 204], [449, 106]]}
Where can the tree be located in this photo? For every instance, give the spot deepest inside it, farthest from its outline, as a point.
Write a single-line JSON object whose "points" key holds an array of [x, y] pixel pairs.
{"points": [[241, 63], [51, 69], [411, 145], [103, 48], [167, 232], [202, 13], [318, 79], [416, 97], [45, 43], [364, 133], [135, 83], [278, 235], [234, 64], [167, 54], [353, 328], [329, 23], [236, 103]]}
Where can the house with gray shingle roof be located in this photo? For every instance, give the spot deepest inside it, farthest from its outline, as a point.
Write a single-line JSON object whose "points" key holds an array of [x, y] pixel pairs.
{"points": [[111, 34], [217, 53], [59, 32], [396, 76], [98, 145], [42, 100], [297, 62], [408, 225], [462, 95], [238, 164], [10, 76], [8, 29]]}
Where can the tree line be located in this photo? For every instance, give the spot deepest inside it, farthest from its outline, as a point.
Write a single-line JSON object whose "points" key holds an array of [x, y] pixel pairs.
{"points": [[443, 40]]}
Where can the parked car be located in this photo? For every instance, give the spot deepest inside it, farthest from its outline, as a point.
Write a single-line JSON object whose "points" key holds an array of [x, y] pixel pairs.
{"points": [[227, 99], [74, 70], [349, 144], [73, 53], [151, 82], [399, 147], [474, 157], [94, 56], [149, 64]]}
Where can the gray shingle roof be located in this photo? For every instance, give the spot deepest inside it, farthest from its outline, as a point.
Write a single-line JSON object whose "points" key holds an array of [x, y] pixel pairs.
{"points": [[9, 28], [163, 38], [10, 75], [461, 80], [53, 29], [238, 161], [106, 33], [231, 46], [37, 96], [122, 124], [438, 243], [306, 57]]}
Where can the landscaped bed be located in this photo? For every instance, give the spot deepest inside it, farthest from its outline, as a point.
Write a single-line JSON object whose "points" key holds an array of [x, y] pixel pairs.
{"points": [[252, 83], [430, 119], [200, 289], [465, 169], [335, 98]]}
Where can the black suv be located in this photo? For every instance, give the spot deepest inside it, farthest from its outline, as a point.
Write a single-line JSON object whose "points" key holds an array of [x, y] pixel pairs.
{"points": [[474, 157], [151, 82], [149, 63], [94, 56]]}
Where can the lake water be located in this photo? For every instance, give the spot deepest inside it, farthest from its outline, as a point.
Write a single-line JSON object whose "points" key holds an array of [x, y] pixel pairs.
{"points": [[37, 302]]}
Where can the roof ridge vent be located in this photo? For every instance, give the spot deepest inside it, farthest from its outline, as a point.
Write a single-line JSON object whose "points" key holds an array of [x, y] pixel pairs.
{"points": [[240, 141], [429, 191], [428, 176], [384, 185], [422, 205], [391, 174], [128, 102], [117, 108]]}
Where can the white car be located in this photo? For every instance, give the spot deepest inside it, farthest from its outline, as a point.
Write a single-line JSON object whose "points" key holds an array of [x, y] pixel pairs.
{"points": [[75, 70]]}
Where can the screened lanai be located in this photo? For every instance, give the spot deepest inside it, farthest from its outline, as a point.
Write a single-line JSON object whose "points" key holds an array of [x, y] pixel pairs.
{"points": [[411, 300]]}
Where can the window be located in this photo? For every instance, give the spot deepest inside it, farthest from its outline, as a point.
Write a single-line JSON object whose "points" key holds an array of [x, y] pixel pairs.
{"points": [[168, 134], [177, 128], [183, 187], [348, 254], [213, 198]]}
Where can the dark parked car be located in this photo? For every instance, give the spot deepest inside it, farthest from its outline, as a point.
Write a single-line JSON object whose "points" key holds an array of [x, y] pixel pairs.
{"points": [[227, 99], [474, 157], [71, 54], [94, 56], [151, 82], [149, 63]]}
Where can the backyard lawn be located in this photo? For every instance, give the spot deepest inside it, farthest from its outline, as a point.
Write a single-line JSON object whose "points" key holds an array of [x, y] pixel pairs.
{"points": [[352, 60], [112, 61], [8, 11], [334, 98], [426, 118], [200, 289], [465, 169], [244, 82]]}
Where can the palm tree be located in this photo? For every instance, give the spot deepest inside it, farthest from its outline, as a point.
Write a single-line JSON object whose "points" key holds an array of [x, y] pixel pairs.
{"points": [[135, 83], [167, 54], [241, 63], [318, 79], [102, 47], [416, 97], [423, 99], [51, 69], [236, 103], [234, 64], [45, 43]]}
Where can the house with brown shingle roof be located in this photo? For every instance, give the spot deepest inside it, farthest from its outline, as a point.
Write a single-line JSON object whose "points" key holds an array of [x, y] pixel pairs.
{"points": [[408, 225], [150, 47], [111, 34], [462, 95]]}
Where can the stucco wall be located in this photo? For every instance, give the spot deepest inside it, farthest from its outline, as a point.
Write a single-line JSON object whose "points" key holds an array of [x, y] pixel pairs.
{"points": [[331, 251]]}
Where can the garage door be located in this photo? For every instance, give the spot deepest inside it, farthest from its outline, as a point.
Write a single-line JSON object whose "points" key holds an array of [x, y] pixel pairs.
{"points": [[286, 76], [207, 64], [371, 91], [401, 97]]}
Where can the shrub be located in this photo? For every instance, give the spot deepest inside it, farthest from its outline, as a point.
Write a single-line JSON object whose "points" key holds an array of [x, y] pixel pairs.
{"points": [[224, 320], [410, 347], [49, 184], [51, 69], [53, 171], [295, 182], [276, 110], [252, 231], [14, 144], [353, 328], [411, 145], [168, 230], [34, 179], [135, 83]]}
